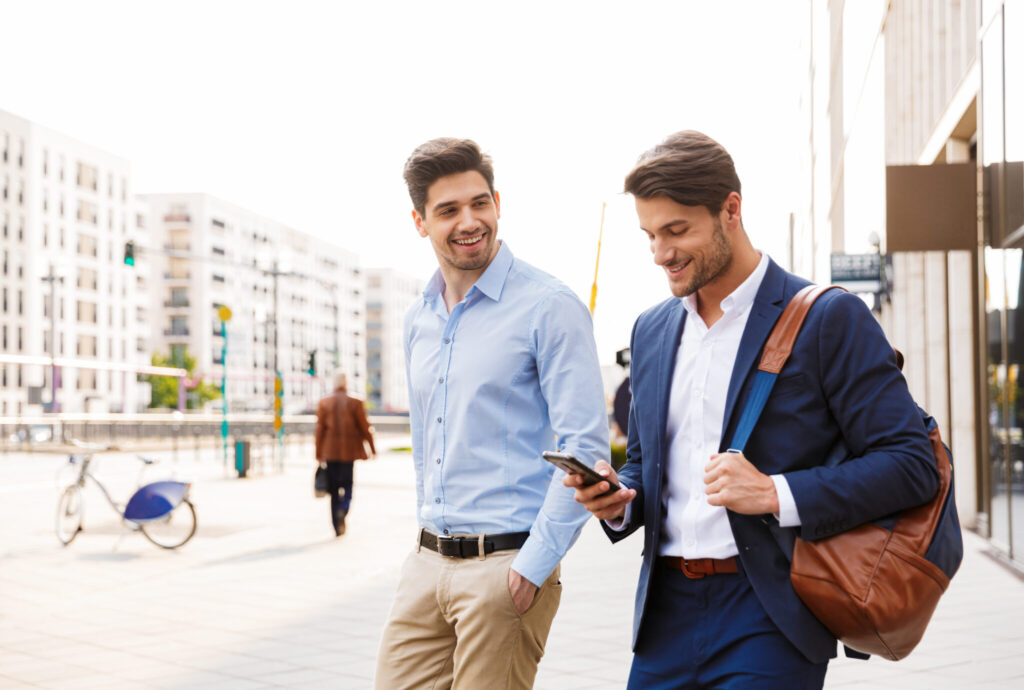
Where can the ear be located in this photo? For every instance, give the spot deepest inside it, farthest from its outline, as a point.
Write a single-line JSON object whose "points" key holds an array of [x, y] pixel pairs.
{"points": [[418, 220], [732, 211], [497, 204]]}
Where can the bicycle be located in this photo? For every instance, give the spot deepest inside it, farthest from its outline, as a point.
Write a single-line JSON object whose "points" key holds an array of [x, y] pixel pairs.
{"points": [[161, 510]]}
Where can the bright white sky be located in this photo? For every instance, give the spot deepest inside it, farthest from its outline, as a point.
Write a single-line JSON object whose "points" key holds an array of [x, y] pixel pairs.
{"points": [[306, 111]]}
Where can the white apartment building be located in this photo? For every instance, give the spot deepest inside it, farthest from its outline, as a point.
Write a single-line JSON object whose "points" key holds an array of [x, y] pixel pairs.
{"points": [[68, 206], [207, 253], [389, 294]]}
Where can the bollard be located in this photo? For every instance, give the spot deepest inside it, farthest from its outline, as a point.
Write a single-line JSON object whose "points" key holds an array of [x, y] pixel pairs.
{"points": [[242, 457]]}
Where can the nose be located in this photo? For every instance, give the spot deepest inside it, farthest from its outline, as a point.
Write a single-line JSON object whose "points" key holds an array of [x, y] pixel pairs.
{"points": [[465, 221], [663, 252]]}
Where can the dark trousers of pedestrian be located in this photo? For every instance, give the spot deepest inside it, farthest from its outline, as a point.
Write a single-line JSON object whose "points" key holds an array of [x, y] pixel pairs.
{"points": [[339, 487], [713, 633]]}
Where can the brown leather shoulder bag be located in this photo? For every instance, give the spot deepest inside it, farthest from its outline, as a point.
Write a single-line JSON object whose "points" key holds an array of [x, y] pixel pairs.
{"points": [[874, 587]]}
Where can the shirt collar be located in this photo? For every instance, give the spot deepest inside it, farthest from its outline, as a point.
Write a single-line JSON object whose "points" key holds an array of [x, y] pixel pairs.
{"points": [[490, 283], [742, 297]]}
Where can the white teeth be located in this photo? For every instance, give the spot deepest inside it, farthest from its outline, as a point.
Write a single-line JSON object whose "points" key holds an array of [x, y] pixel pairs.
{"points": [[470, 240]]}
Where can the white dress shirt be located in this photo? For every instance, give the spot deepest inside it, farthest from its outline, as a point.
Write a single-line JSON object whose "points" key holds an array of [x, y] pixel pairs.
{"points": [[691, 527]]}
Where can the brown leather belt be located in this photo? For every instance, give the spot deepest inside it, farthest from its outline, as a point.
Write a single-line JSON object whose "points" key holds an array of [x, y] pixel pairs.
{"points": [[696, 568]]}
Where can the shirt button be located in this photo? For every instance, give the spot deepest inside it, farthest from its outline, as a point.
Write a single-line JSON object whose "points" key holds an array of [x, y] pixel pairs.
{"points": [[438, 461], [446, 531], [438, 420], [447, 340], [441, 380], [437, 500]]}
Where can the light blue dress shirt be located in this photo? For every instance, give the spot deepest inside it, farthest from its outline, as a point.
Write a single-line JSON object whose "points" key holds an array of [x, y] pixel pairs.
{"points": [[511, 369]]}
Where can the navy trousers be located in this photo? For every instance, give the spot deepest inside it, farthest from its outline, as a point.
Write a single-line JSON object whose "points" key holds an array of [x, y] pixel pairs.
{"points": [[714, 633], [339, 488]]}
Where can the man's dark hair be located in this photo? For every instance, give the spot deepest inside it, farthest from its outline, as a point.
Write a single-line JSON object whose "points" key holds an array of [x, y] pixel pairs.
{"points": [[689, 168], [439, 158]]}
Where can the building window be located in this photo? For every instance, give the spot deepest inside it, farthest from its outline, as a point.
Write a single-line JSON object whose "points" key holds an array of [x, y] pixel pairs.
{"points": [[87, 177], [217, 278], [87, 212]]}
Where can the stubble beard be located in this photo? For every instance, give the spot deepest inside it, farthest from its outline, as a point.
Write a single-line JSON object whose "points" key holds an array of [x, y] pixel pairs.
{"points": [[476, 261], [708, 268]]}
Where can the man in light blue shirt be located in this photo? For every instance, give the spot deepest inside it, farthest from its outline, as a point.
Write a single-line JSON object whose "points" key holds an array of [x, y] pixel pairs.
{"points": [[502, 365]]}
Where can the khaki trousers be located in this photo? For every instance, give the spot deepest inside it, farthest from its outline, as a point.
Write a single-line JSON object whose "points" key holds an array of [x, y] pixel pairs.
{"points": [[453, 625]]}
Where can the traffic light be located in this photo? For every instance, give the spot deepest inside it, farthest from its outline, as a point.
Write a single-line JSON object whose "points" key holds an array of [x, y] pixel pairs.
{"points": [[311, 369], [129, 253]]}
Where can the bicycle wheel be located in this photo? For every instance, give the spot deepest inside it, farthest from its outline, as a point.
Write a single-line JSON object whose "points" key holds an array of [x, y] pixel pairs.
{"points": [[173, 529], [69, 514]]}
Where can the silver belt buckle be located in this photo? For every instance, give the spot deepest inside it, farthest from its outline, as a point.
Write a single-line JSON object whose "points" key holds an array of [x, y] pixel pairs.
{"points": [[448, 547]]}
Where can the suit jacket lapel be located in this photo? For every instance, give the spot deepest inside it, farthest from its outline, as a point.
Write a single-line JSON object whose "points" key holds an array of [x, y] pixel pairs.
{"points": [[667, 359], [767, 307]]}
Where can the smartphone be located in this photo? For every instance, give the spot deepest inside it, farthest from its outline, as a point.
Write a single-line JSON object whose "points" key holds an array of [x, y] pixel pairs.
{"points": [[573, 466]]}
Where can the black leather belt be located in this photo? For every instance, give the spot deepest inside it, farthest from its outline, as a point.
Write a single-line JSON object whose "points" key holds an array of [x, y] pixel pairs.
{"points": [[469, 547]]}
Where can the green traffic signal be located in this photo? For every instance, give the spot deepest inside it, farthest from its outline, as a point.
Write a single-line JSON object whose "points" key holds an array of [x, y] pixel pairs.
{"points": [[311, 369], [129, 253]]}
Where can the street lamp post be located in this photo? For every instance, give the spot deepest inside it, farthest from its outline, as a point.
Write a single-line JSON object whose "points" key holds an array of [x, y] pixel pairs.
{"points": [[53, 279], [224, 313]]}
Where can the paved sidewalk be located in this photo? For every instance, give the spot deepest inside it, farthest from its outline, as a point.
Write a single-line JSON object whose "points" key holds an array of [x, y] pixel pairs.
{"points": [[265, 596]]}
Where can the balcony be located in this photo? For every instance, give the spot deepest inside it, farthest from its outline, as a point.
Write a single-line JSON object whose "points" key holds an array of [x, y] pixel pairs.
{"points": [[180, 275], [177, 217], [176, 332], [176, 303]]}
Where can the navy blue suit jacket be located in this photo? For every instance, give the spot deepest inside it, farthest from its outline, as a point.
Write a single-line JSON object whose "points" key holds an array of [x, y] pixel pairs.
{"points": [[841, 385]]}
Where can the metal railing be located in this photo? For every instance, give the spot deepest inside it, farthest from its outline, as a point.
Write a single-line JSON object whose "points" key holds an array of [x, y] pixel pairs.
{"points": [[49, 432]]}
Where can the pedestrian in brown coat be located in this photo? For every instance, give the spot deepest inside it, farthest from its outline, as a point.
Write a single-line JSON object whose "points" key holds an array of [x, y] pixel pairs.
{"points": [[341, 431]]}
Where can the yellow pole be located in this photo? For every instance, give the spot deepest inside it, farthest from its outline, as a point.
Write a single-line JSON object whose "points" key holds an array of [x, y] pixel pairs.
{"points": [[597, 263]]}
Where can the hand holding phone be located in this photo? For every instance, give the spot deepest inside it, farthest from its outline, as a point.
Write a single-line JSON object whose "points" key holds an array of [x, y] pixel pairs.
{"points": [[572, 465]]}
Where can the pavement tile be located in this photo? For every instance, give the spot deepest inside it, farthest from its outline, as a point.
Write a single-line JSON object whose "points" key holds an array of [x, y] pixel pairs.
{"points": [[299, 678], [257, 668], [11, 683], [93, 681]]}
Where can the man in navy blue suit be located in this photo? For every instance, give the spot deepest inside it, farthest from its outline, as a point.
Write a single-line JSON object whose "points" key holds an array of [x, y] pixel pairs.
{"points": [[714, 605]]}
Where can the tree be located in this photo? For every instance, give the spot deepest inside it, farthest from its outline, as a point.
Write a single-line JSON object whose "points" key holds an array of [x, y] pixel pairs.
{"points": [[165, 388]]}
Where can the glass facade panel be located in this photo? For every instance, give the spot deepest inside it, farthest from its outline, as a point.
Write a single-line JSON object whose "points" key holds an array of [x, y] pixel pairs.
{"points": [[1013, 110], [1002, 268]]}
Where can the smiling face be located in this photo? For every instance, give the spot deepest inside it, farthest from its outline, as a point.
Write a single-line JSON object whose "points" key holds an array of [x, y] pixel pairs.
{"points": [[461, 219], [688, 242]]}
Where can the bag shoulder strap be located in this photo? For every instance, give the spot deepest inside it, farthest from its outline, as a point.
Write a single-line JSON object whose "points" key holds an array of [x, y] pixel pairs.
{"points": [[777, 350]]}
